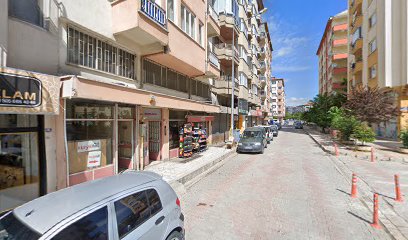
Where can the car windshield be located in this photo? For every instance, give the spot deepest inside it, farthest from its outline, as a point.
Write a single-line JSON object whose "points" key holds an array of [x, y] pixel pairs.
{"points": [[251, 134], [12, 229]]}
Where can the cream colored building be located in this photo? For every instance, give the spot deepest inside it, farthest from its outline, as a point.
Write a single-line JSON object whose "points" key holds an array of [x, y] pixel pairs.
{"points": [[278, 98], [333, 55], [112, 83], [378, 52]]}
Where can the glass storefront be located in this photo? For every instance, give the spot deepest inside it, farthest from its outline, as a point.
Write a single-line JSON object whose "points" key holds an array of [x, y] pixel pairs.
{"points": [[20, 161]]}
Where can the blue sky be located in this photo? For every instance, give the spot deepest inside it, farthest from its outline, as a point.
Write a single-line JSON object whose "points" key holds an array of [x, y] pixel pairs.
{"points": [[296, 27]]}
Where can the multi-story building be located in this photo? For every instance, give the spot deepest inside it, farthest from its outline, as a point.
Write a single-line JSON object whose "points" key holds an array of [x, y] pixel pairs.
{"points": [[278, 98], [378, 53], [90, 89], [333, 54]]}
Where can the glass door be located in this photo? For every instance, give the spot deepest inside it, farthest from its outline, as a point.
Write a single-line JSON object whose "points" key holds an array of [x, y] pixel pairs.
{"points": [[126, 144], [154, 140]]}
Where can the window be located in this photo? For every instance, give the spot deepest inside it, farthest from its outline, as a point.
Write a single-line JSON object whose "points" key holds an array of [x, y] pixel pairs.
{"points": [[187, 22], [27, 10], [12, 228], [373, 71], [243, 80], [372, 46], [200, 34], [244, 28], [135, 209], [356, 36], [90, 52], [242, 53], [373, 20], [170, 10], [93, 226]]}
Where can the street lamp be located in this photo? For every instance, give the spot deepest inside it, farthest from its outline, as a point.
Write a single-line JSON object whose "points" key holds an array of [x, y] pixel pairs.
{"points": [[233, 71]]}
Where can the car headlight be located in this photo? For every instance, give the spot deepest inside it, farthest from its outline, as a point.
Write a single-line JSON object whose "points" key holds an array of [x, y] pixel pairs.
{"points": [[239, 144], [257, 144]]}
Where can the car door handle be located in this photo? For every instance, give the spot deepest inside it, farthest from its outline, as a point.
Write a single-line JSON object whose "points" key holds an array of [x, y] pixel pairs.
{"points": [[159, 220]]}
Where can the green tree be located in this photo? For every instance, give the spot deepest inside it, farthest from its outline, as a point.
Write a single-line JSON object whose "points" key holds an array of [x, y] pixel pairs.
{"points": [[363, 133], [343, 121]]}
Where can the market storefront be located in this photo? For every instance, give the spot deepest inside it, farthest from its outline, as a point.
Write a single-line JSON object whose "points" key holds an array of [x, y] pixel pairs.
{"points": [[25, 98]]}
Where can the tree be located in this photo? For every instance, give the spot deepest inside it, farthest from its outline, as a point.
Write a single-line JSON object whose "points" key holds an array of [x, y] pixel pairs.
{"points": [[343, 121], [363, 133], [372, 105], [319, 112]]}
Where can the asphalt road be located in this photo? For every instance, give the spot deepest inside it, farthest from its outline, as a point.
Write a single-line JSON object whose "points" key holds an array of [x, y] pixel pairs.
{"points": [[292, 191]]}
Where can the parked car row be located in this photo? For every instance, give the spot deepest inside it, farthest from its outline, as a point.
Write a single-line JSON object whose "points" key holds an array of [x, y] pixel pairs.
{"points": [[256, 139]]}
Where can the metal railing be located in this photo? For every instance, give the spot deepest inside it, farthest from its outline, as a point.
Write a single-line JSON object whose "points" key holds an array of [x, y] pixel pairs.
{"points": [[154, 11], [213, 59]]}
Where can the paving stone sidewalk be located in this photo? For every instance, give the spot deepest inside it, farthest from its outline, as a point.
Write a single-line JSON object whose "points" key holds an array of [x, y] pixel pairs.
{"points": [[183, 170], [375, 176]]}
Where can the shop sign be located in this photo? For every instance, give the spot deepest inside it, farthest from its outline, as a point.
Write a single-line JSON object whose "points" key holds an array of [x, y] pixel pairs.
{"points": [[242, 106], [94, 159], [191, 119], [23, 92], [19, 91], [91, 145], [153, 114]]}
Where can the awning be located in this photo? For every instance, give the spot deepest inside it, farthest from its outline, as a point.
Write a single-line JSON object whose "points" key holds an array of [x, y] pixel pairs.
{"points": [[78, 87], [200, 118], [24, 92]]}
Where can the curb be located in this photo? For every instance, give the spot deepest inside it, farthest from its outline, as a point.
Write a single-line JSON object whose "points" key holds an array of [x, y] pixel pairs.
{"points": [[189, 179], [389, 226]]}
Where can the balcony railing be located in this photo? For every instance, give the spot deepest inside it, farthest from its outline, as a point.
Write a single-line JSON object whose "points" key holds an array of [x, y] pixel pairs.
{"points": [[214, 59], [228, 79], [228, 47], [212, 12], [154, 11]]}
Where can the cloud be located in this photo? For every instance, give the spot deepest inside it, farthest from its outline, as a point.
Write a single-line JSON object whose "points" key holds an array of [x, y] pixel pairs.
{"points": [[294, 101]]}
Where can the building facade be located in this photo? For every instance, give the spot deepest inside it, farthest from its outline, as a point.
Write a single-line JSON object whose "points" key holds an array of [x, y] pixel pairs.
{"points": [[333, 55], [89, 90], [278, 98], [378, 53]]}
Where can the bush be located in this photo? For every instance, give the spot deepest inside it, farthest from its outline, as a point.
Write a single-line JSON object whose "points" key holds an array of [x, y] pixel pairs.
{"points": [[363, 133], [344, 122], [404, 138]]}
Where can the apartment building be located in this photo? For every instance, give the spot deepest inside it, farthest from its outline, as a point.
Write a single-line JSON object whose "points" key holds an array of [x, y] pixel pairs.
{"points": [[90, 89], [333, 55], [278, 98], [378, 53]]}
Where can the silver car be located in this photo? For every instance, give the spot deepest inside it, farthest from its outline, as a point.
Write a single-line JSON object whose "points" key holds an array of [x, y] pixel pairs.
{"points": [[132, 205]]}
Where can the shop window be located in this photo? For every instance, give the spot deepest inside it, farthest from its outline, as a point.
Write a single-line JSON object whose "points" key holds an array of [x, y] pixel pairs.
{"points": [[19, 160], [90, 135], [174, 137]]}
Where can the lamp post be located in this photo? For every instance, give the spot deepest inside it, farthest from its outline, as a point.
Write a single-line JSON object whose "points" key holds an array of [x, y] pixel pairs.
{"points": [[233, 72]]}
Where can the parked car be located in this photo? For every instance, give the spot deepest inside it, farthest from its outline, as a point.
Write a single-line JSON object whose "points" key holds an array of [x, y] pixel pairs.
{"points": [[132, 205], [253, 139], [275, 130], [298, 125], [268, 133], [278, 125]]}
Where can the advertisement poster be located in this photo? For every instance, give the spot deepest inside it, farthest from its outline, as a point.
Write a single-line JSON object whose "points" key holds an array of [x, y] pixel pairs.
{"points": [[94, 159], [91, 145]]}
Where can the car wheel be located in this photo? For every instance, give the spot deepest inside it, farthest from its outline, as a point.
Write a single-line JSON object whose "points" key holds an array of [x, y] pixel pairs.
{"points": [[268, 142], [266, 145], [175, 236], [262, 151]]}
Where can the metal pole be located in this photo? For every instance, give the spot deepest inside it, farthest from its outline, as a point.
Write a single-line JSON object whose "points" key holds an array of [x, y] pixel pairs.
{"points": [[232, 81]]}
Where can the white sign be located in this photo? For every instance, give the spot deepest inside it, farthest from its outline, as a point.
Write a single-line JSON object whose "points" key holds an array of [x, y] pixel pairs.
{"points": [[94, 159], [87, 146]]}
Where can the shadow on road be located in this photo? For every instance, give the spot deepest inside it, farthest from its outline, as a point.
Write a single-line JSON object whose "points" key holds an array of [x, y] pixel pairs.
{"points": [[355, 215], [384, 195], [343, 191], [292, 129]]}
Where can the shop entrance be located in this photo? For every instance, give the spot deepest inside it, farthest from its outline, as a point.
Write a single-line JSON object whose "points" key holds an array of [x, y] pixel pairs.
{"points": [[154, 140]]}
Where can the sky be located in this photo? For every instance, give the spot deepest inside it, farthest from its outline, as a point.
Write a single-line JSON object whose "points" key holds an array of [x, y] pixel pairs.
{"points": [[296, 28]]}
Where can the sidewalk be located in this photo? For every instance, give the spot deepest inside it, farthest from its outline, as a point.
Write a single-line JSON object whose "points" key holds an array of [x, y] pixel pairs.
{"points": [[181, 171], [373, 177]]}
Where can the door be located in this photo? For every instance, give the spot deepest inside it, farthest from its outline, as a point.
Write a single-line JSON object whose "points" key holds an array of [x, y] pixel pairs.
{"points": [[154, 140], [125, 145]]}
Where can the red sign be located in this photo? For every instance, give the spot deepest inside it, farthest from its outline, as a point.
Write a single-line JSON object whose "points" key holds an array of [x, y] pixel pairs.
{"points": [[200, 118]]}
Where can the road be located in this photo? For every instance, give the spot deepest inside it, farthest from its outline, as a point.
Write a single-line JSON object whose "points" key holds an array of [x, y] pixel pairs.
{"points": [[292, 191]]}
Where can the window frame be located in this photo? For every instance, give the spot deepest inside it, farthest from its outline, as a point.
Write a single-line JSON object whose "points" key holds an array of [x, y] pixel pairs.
{"points": [[370, 20], [170, 17], [370, 70], [188, 24], [371, 44]]}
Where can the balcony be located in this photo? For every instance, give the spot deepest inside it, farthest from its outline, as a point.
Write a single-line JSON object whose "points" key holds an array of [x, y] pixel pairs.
{"points": [[213, 65], [357, 46], [262, 67], [228, 23], [339, 42], [355, 5], [243, 92], [356, 22], [223, 86], [357, 66], [339, 70], [225, 52], [213, 27], [262, 80], [262, 94], [142, 22], [340, 56], [340, 27], [262, 54]]}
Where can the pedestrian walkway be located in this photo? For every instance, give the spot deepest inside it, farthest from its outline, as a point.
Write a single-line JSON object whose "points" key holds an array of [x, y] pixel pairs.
{"points": [[378, 176], [183, 170]]}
